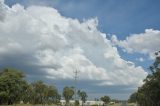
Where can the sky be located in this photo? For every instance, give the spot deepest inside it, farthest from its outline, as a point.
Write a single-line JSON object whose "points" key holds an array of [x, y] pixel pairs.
{"points": [[110, 42]]}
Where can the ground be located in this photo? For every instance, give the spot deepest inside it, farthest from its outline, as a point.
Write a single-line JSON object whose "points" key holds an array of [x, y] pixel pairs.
{"points": [[130, 104]]}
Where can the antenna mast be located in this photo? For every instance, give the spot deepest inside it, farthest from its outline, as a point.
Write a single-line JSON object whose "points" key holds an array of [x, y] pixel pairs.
{"points": [[75, 82]]}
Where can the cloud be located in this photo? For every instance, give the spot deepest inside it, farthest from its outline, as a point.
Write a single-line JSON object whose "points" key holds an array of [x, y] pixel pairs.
{"points": [[2, 1], [144, 43], [2, 10], [40, 40], [140, 59]]}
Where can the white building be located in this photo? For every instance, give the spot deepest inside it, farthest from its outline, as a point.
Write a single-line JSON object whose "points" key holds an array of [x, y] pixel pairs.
{"points": [[87, 103]]}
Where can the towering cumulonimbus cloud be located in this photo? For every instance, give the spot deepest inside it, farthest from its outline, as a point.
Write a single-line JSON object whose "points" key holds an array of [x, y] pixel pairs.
{"points": [[40, 39]]}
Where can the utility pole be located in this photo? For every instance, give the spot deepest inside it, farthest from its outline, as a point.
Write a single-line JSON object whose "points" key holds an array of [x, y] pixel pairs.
{"points": [[75, 83]]}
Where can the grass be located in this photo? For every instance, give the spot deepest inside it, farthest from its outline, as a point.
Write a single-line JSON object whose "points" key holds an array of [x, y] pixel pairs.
{"points": [[34, 105], [130, 104], [117, 104], [30, 105]]}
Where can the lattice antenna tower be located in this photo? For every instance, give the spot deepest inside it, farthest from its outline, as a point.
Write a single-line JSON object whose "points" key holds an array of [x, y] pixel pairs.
{"points": [[75, 83]]}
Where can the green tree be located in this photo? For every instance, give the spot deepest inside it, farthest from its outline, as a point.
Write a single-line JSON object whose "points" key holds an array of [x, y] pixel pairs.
{"points": [[38, 92], [12, 86], [28, 95], [68, 93], [105, 99], [83, 96], [52, 95], [133, 98], [3, 97], [149, 93]]}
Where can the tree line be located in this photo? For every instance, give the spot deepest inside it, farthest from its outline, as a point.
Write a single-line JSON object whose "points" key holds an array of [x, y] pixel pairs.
{"points": [[15, 89], [149, 93]]}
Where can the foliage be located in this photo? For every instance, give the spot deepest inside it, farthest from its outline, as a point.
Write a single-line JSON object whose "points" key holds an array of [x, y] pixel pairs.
{"points": [[105, 99], [12, 86], [133, 98], [83, 96], [68, 93], [149, 93], [76, 103], [41, 93], [13, 89]]}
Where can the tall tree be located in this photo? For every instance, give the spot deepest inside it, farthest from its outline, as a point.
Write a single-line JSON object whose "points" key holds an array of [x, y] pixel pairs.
{"points": [[38, 92], [105, 99], [149, 93], [68, 93], [52, 95], [12, 86], [27, 96], [133, 98], [83, 96]]}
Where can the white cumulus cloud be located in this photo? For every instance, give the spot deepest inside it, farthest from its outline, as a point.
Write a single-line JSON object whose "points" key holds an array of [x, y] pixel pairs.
{"points": [[3, 8], [58, 46], [144, 43]]}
